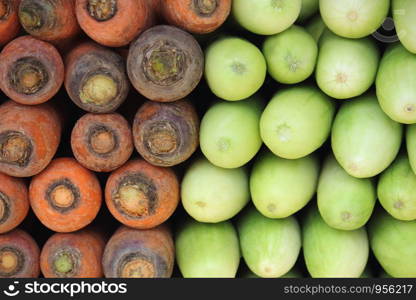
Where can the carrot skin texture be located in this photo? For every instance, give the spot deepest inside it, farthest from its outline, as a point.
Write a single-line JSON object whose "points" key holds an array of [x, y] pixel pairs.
{"points": [[151, 251], [141, 195], [124, 22], [166, 134], [9, 21], [82, 65], [83, 248], [165, 63], [196, 16], [65, 196], [31, 70], [57, 19], [24, 251], [94, 154], [14, 202], [38, 127]]}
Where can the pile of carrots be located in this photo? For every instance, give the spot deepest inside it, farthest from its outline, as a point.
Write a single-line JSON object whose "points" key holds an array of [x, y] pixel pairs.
{"points": [[90, 90]]}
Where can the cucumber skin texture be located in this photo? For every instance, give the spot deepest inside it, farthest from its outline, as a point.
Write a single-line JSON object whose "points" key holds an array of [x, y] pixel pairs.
{"points": [[280, 187], [222, 192], [316, 27], [394, 244], [330, 252], [359, 131], [287, 60], [207, 250], [357, 59], [270, 247], [396, 84], [339, 194], [262, 18], [297, 121], [405, 22], [335, 14], [397, 190], [230, 132]]}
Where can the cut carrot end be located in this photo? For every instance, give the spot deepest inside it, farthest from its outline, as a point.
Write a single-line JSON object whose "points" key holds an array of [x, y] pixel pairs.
{"points": [[30, 19], [9, 261], [62, 196], [15, 148], [161, 138], [102, 10], [99, 89], [138, 268], [205, 7], [64, 263], [28, 76], [164, 63], [103, 141], [133, 200], [3, 209]]}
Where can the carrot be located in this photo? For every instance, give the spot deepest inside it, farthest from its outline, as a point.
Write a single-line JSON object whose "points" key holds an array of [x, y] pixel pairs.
{"points": [[102, 143], [14, 202], [113, 23], [29, 138], [196, 16], [73, 255], [165, 63], [9, 21], [19, 255], [65, 196], [53, 20], [166, 134], [31, 70], [141, 195], [133, 253], [96, 78]]}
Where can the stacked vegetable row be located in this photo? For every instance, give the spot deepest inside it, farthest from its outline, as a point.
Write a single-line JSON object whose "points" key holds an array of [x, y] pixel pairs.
{"points": [[165, 64]]}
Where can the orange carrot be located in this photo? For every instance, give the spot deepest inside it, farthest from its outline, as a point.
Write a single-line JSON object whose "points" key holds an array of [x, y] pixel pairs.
{"points": [[141, 195], [53, 20], [73, 255], [165, 63], [19, 255], [31, 70], [96, 78], [9, 21], [14, 202], [133, 253], [65, 196], [29, 138], [102, 142], [113, 23], [166, 134], [196, 16]]}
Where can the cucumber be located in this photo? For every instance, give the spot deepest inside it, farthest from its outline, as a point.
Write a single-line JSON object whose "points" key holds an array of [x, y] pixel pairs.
{"points": [[396, 84], [270, 247], [396, 189], [404, 15], [309, 8], [207, 250], [344, 202], [280, 187], [316, 27], [394, 244], [354, 18], [411, 145], [287, 60], [213, 194], [330, 252], [365, 141], [297, 121], [230, 132], [346, 68]]}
